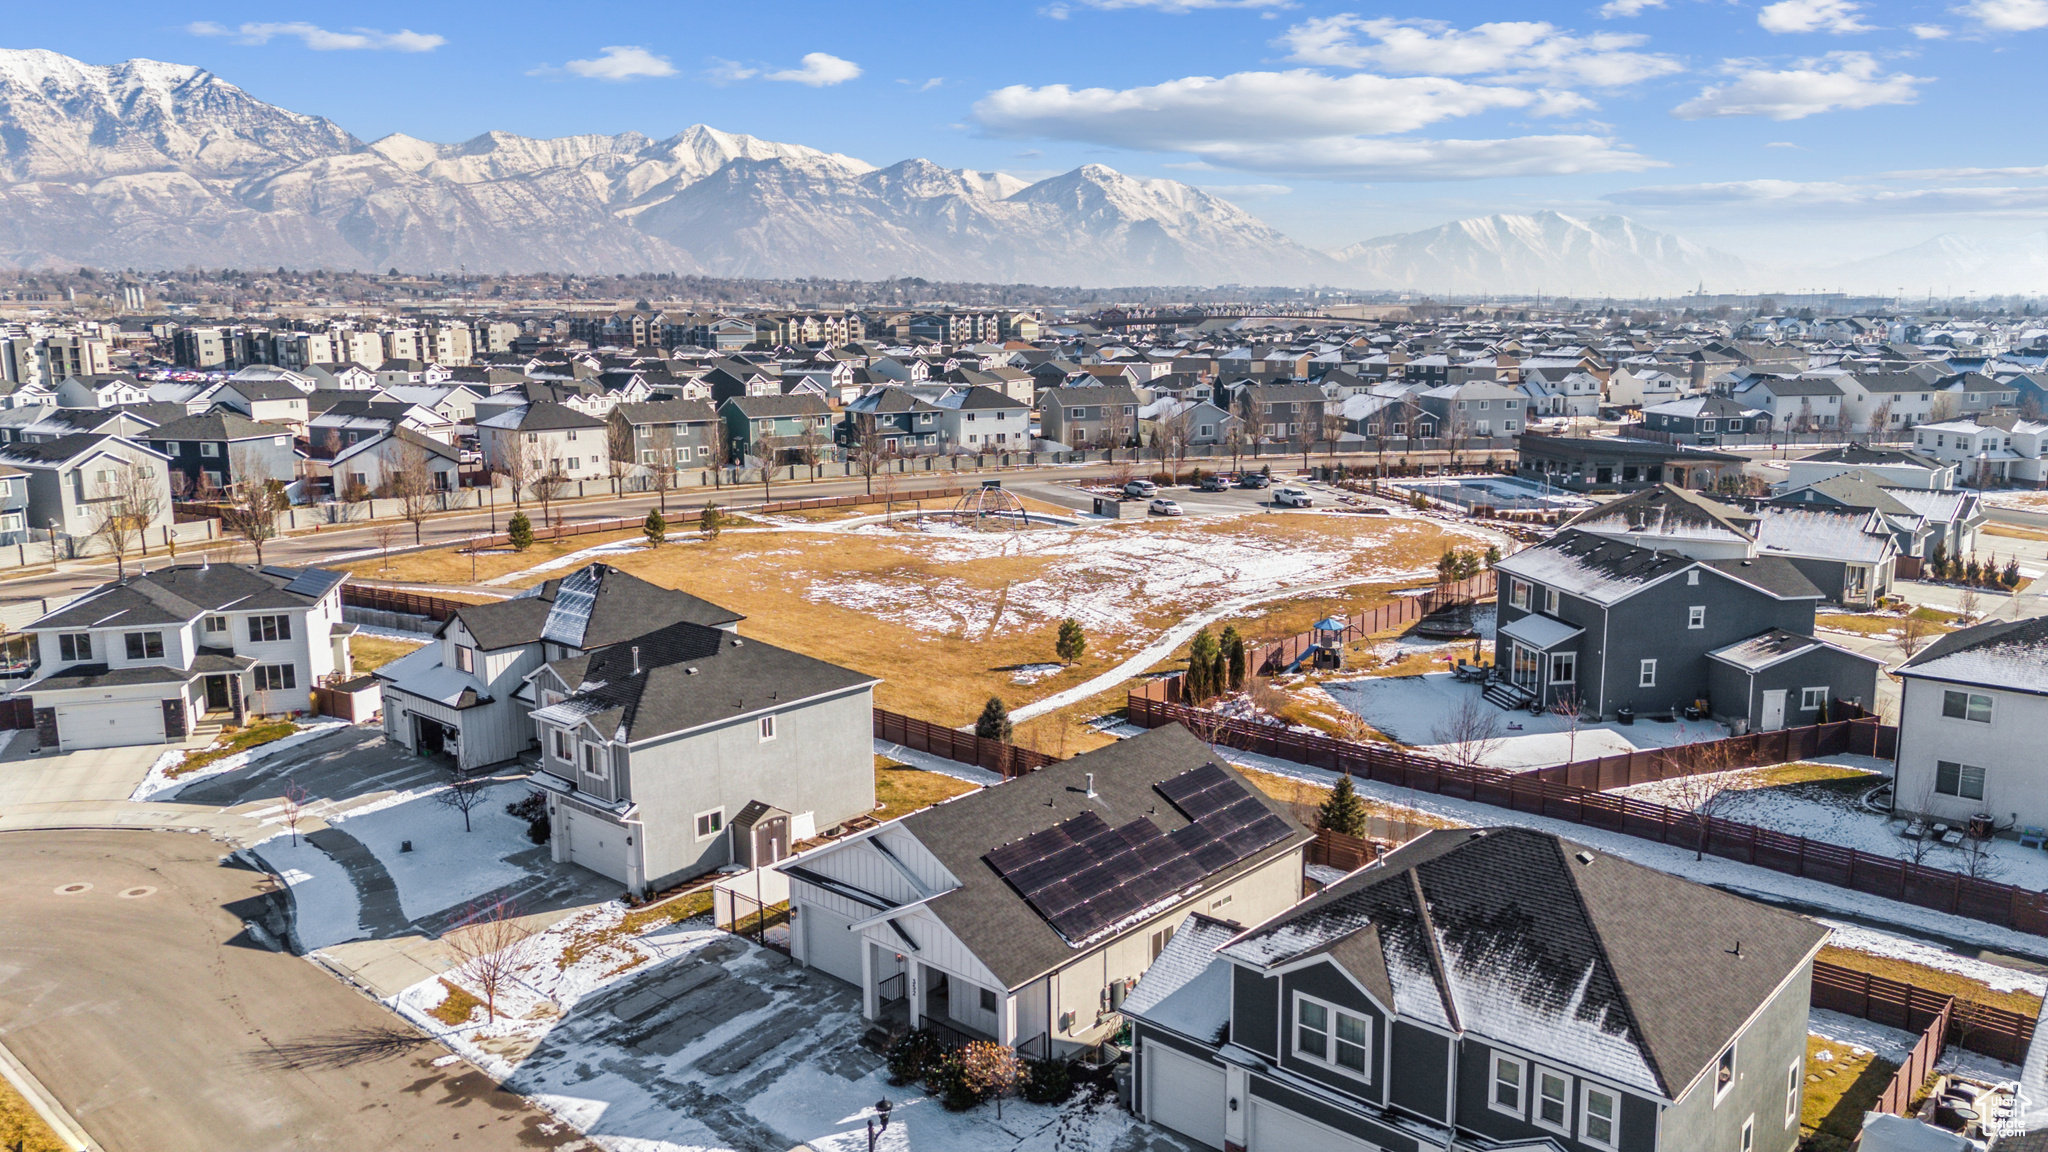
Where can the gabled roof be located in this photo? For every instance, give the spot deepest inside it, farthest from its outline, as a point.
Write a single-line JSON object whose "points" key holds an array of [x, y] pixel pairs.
{"points": [[1775, 646], [668, 412], [65, 449], [541, 416], [591, 607], [2002, 654], [1855, 535], [1667, 510], [215, 425], [1544, 945], [185, 592]]}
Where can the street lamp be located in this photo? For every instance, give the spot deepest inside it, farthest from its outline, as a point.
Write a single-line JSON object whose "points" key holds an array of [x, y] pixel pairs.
{"points": [[882, 1109]]}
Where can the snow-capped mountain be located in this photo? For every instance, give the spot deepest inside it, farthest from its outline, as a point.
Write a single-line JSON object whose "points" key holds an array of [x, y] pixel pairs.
{"points": [[1950, 264], [161, 165], [1546, 252]]}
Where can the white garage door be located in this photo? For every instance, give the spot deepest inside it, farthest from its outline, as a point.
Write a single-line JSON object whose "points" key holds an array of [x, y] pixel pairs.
{"points": [[110, 725], [1275, 1129], [598, 845], [830, 946], [1184, 1094]]}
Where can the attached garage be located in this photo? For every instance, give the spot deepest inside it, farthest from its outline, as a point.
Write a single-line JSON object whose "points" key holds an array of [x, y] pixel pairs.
{"points": [[594, 842], [1184, 1094], [1275, 1129], [111, 724], [830, 945]]}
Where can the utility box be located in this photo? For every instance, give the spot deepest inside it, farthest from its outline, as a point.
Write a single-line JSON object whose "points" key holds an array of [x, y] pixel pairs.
{"points": [[1109, 507]]}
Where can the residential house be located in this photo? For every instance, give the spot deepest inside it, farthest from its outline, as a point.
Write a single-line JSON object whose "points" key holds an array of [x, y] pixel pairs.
{"points": [[101, 391], [1795, 403], [686, 748], [1704, 420], [732, 378], [1988, 450], [983, 420], [1089, 416], [145, 659], [14, 522], [77, 481], [1849, 554], [1477, 414], [679, 434], [1492, 988], [467, 695], [269, 401], [1972, 708], [1895, 400], [904, 423], [544, 439], [1641, 386], [788, 428], [1893, 467], [375, 466], [1281, 413], [1024, 913], [1621, 463], [1921, 518], [1185, 422], [223, 449]]}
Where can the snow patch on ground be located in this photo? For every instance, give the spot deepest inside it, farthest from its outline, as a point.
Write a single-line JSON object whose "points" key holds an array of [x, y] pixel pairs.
{"points": [[159, 785], [1997, 977], [446, 866], [972, 773], [325, 908], [1414, 709], [1033, 673], [1893, 1044]]}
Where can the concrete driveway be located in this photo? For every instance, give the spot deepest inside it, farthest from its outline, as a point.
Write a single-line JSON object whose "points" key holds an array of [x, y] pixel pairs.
{"points": [[143, 1006]]}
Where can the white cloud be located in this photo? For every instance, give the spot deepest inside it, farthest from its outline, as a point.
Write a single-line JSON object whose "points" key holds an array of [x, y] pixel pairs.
{"points": [[1837, 16], [1929, 31], [926, 86], [1965, 173], [1246, 191], [1830, 83], [1627, 8], [2008, 15], [1785, 144], [321, 39], [1304, 122], [1178, 7], [729, 71], [616, 62], [820, 70], [1520, 51]]}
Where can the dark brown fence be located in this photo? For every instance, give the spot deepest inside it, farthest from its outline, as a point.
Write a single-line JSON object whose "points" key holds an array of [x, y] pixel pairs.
{"points": [[1897, 1097], [1861, 737], [1336, 850], [1400, 611], [1996, 1032], [1895, 879], [17, 713], [683, 517], [953, 744], [391, 600]]}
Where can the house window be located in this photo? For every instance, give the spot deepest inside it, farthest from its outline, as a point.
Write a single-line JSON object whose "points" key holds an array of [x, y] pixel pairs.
{"points": [[1792, 1077], [1693, 577], [767, 728], [1222, 901], [1159, 940], [710, 823], [263, 628], [594, 761], [562, 751], [1519, 595], [1329, 1036], [575, 462], [1696, 616], [275, 677], [1550, 601], [1749, 1134], [216, 625], [1564, 667], [1964, 780], [1553, 1100], [74, 645], [1813, 699], [1507, 1085], [145, 645], [988, 1000], [1724, 1073], [465, 658], [1966, 706], [1598, 1112], [207, 448], [1646, 675], [572, 433]]}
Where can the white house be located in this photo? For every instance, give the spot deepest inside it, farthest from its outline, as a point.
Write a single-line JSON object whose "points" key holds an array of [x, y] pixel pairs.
{"points": [[1992, 450], [1796, 403], [1973, 707], [147, 659], [545, 438]]}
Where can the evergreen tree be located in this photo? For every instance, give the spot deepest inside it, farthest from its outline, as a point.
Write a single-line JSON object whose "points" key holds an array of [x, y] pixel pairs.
{"points": [[711, 522], [1468, 565], [521, 532], [1343, 812], [655, 529], [994, 723], [2012, 574], [1201, 667], [1492, 556], [1938, 560], [1233, 651], [1072, 641], [1447, 566], [1219, 671]]}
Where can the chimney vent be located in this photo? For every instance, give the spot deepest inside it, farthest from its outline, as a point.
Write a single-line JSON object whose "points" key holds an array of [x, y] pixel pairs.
{"points": [[636, 659], [1090, 778]]}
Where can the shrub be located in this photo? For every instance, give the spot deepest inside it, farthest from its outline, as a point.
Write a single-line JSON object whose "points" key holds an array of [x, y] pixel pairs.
{"points": [[533, 808], [520, 530], [913, 1057], [1051, 1082], [1163, 479], [947, 1080]]}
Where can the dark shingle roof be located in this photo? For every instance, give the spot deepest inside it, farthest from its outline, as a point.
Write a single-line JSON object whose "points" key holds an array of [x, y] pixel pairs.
{"points": [[620, 607], [668, 412], [215, 425], [183, 593], [2002, 654], [765, 407]]}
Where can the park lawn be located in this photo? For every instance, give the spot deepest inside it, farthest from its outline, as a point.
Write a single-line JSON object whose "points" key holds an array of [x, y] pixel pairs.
{"points": [[2013, 531], [452, 565], [21, 1130], [1305, 800], [1841, 1085], [370, 653], [901, 789], [262, 732], [1860, 623]]}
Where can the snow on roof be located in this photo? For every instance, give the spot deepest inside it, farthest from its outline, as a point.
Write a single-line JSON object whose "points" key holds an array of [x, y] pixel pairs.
{"points": [[1539, 631], [2003, 654], [1187, 989], [1856, 536], [1592, 566]]}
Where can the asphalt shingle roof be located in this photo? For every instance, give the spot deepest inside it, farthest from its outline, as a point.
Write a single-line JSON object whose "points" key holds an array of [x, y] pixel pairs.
{"points": [[621, 606]]}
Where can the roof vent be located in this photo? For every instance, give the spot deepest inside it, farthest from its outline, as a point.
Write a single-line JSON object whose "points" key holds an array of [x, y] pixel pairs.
{"points": [[736, 641], [1090, 778], [636, 659], [692, 672], [1585, 857]]}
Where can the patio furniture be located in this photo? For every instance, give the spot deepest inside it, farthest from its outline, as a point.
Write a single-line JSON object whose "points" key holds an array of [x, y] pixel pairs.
{"points": [[2033, 836], [1916, 830], [1953, 837]]}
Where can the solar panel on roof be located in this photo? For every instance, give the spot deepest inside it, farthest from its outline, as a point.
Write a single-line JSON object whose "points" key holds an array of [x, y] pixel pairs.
{"points": [[570, 614], [280, 573], [314, 582]]}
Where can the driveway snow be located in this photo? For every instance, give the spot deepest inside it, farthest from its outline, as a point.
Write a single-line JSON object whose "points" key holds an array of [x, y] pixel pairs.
{"points": [[325, 908]]}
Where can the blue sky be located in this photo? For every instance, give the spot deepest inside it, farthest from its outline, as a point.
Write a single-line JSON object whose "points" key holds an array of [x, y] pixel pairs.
{"points": [[1788, 129]]}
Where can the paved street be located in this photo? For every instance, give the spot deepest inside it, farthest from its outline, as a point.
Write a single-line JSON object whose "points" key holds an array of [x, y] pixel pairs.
{"points": [[146, 1009]]}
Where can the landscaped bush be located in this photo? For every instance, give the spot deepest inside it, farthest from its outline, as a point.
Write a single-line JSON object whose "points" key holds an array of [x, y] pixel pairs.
{"points": [[913, 1057], [1163, 479], [948, 1081], [1051, 1082], [533, 808]]}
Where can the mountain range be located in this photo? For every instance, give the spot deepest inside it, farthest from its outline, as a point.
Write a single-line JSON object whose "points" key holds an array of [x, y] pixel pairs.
{"points": [[153, 165]]}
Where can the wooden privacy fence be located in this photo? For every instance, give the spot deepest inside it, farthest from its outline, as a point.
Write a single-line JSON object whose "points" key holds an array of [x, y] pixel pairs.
{"points": [[687, 516], [2005, 905], [1897, 1097], [355, 595], [1400, 611], [953, 744], [1861, 737]]}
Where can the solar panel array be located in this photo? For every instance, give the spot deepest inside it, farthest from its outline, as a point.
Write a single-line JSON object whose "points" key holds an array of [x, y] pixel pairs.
{"points": [[1084, 876], [315, 582], [570, 615]]}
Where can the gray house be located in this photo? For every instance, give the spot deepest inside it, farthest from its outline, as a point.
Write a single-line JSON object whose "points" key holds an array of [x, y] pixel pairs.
{"points": [[1490, 989], [74, 481], [223, 448], [651, 747], [680, 434], [1089, 416]]}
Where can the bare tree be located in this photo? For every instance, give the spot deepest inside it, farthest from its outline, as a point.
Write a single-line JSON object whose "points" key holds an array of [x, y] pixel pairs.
{"points": [[544, 479], [1917, 849], [514, 464], [1471, 732], [124, 502], [1914, 633], [867, 454], [384, 534], [810, 444], [1880, 419], [1332, 428], [412, 482], [1568, 707], [662, 442], [291, 807], [252, 509], [1968, 605], [1943, 409], [1698, 786], [491, 947], [1976, 860], [1233, 439], [618, 449], [465, 795]]}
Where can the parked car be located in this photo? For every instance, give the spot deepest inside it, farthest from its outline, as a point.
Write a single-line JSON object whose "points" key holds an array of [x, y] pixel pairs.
{"points": [[1254, 480], [1216, 483], [1292, 497], [1141, 489], [1164, 507]]}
